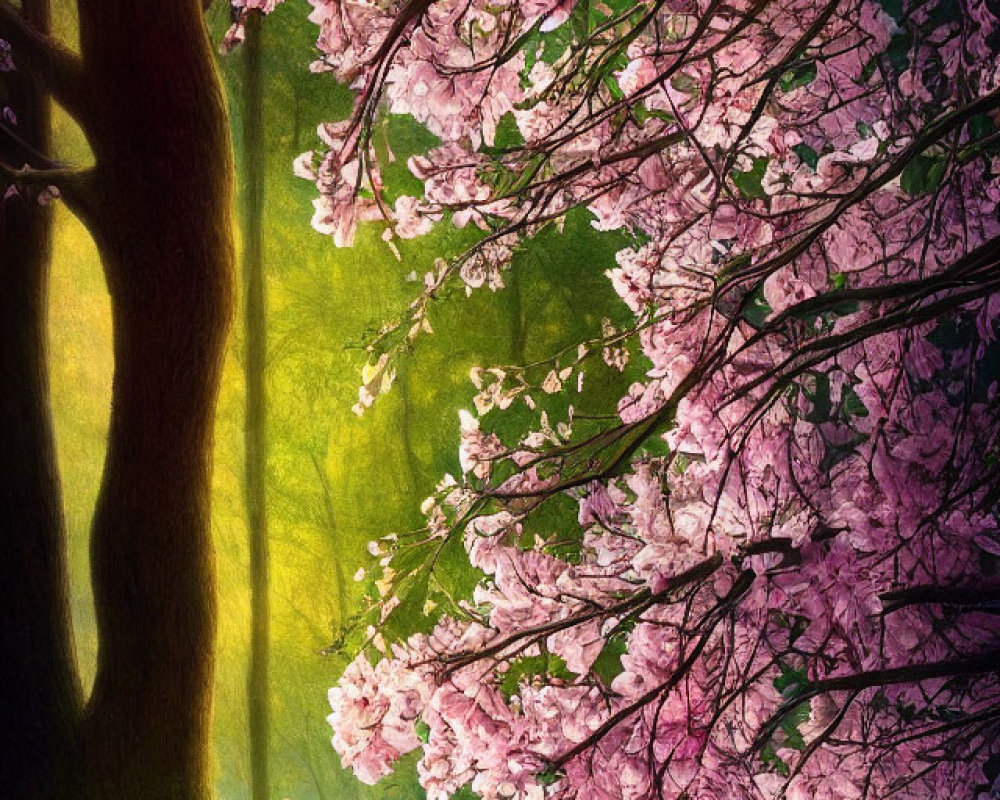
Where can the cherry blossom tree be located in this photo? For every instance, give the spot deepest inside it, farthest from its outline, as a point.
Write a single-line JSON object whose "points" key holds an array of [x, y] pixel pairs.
{"points": [[780, 577]]}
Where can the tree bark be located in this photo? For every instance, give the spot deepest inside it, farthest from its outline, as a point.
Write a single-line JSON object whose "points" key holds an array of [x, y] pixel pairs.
{"points": [[39, 691], [255, 423], [161, 221]]}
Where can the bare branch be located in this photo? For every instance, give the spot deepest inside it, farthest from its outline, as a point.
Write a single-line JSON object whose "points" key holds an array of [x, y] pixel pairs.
{"points": [[75, 186], [971, 598], [22, 151]]}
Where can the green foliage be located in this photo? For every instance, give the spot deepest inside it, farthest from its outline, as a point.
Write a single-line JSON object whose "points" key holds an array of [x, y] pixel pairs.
{"points": [[897, 55], [769, 756], [923, 174], [757, 309], [894, 8], [802, 75], [608, 665], [790, 682], [807, 155], [655, 447], [748, 183], [554, 522], [507, 135], [980, 127], [523, 670]]}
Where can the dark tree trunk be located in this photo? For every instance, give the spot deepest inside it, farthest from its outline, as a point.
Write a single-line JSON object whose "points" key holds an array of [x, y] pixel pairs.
{"points": [[39, 693], [255, 424], [161, 220], [517, 322]]}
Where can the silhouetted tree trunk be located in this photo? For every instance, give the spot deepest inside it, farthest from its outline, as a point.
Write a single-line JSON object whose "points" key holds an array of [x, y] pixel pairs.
{"points": [[39, 693], [162, 225], [157, 202]]}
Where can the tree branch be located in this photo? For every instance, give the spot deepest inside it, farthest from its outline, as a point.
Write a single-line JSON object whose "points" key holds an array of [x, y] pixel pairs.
{"points": [[984, 663], [75, 185], [13, 144], [59, 68], [971, 598], [711, 620]]}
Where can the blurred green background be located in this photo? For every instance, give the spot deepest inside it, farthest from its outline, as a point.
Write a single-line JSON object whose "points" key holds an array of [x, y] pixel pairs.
{"points": [[335, 481]]}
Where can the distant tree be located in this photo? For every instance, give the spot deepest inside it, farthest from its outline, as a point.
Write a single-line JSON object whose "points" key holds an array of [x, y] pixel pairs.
{"points": [[246, 33], [145, 91], [781, 576]]}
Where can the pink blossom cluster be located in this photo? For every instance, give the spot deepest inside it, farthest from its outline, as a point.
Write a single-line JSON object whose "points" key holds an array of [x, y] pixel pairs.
{"points": [[450, 76], [236, 33], [800, 599], [6, 58]]}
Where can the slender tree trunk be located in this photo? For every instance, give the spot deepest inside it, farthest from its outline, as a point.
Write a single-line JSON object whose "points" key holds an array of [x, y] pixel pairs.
{"points": [[513, 304], [518, 328], [39, 692], [331, 528], [161, 221], [404, 432], [255, 430]]}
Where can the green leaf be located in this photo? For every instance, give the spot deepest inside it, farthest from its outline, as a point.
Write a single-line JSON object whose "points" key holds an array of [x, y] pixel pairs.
{"points": [[453, 572], [843, 309], [798, 627], [820, 397], [757, 310], [523, 669], [898, 52], [790, 726], [791, 679], [408, 559], [655, 447], [979, 127], [580, 20], [685, 83], [465, 793], [790, 683], [555, 520], [611, 83], [549, 776], [408, 617], [922, 175], [748, 183], [806, 155], [802, 75], [508, 134], [851, 404], [769, 756], [608, 665], [894, 8], [836, 453], [423, 730]]}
